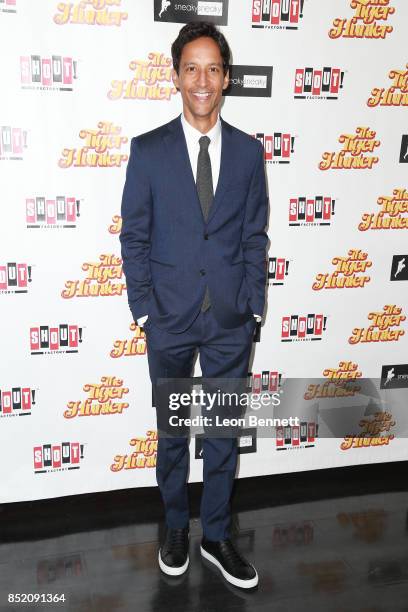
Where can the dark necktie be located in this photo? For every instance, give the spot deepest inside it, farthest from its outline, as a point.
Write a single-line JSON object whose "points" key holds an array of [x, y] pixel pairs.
{"points": [[205, 193]]}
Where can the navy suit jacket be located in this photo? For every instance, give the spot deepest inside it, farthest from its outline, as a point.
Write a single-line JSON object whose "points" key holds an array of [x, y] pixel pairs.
{"points": [[170, 253]]}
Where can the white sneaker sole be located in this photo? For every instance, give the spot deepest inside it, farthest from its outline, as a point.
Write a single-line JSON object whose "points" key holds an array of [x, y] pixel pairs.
{"points": [[244, 584], [173, 571]]}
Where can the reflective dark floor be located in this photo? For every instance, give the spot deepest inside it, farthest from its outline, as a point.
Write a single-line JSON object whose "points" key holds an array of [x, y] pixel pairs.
{"points": [[346, 554]]}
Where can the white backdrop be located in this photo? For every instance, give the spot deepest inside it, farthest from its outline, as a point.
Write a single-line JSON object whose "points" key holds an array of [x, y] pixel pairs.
{"points": [[64, 87]]}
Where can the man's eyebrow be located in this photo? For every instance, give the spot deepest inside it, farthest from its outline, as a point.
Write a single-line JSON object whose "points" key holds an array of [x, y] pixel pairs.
{"points": [[209, 63]]}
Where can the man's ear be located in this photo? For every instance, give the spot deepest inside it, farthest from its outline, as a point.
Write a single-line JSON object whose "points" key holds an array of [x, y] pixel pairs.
{"points": [[175, 78], [226, 80]]}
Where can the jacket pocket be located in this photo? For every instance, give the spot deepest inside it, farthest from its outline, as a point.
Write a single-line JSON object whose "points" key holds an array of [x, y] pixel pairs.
{"points": [[161, 261]]}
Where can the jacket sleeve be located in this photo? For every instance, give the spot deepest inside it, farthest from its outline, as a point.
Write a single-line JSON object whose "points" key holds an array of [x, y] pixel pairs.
{"points": [[254, 236], [136, 211]]}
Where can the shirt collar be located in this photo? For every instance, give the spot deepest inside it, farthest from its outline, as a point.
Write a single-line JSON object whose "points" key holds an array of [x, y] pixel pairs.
{"points": [[194, 134]]}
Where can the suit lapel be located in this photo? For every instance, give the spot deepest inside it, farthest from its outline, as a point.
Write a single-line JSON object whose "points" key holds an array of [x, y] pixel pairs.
{"points": [[180, 164], [178, 154]]}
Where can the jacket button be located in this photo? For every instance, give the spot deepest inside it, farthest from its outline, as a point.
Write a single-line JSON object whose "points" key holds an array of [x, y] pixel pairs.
{"points": [[202, 272], [205, 236]]}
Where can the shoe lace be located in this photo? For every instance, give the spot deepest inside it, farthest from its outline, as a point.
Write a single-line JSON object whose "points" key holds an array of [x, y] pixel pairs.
{"points": [[232, 554], [177, 539]]}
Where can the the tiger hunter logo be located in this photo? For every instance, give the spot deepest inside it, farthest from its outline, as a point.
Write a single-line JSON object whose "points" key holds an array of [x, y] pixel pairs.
{"points": [[392, 215], [385, 326], [90, 13], [100, 280], [143, 454], [353, 154], [151, 80], [349, 272], [395, 95], [340, 382], [103, 398], [101, 148], [368, 21]]}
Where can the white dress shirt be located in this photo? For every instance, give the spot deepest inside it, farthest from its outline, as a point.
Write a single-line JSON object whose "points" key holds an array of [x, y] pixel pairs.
{"points": [[192, 136]]}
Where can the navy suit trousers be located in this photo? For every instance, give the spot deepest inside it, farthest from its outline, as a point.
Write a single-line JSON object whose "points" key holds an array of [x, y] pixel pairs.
{"points": [[223, 353]]}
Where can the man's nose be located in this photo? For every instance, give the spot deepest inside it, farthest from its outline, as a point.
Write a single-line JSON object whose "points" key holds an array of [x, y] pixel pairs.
{"points": [[202, 78]]}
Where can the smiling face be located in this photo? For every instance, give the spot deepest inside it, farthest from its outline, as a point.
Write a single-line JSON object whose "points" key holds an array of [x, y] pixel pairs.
{"points": [[201, 81]]}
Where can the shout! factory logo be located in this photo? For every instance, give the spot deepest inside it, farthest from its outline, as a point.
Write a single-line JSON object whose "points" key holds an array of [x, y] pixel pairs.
{"points": [[301, 328], [102, 399], [17, 401], [143, 455], [278, 269], [57, 212], [394, 376], [99, 281], [367, 22], [380, 329], [52, 73], [97, 148], [130, 348], [250, 81], [399, 268], [8, 6], [371, 431], [46, 340], [293, 437], [90, 12], [277, 14], [13, 141], [318, 210], [318, 83], [404, 150], [363, 141], [391, 214], [14, 277], [347, 273], [278, 147], [267, 381], [395, 95], [151, 80], [116, 226], [58, 457], [185, 11]]}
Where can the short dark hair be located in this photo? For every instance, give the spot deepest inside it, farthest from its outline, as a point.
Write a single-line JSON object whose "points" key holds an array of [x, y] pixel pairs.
{"points": [[192, 31]]}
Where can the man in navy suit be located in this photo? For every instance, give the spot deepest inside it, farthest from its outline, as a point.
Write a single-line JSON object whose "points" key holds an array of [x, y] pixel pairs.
{"points": [[194, 213]]}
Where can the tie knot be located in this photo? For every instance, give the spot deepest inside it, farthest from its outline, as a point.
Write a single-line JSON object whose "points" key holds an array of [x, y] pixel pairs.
{"points": [[204, 142]]}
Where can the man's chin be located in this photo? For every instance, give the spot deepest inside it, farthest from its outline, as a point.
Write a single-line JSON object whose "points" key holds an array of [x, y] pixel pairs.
{"points": [[201, 113]]}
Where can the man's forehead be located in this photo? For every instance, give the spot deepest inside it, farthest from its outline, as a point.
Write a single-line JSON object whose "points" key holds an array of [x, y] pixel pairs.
{"points": [[197, 59]]}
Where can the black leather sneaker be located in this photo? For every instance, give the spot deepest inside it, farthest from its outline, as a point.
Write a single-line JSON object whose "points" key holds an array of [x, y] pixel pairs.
{"points": [[232, 565], [173, 554]]}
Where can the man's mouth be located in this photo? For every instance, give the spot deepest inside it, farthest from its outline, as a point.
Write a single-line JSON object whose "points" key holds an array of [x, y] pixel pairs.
{"points": [[202, 95]]}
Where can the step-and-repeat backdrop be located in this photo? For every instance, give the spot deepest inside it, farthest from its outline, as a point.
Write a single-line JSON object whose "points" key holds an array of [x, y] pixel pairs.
{"points": [[324, 86]]}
